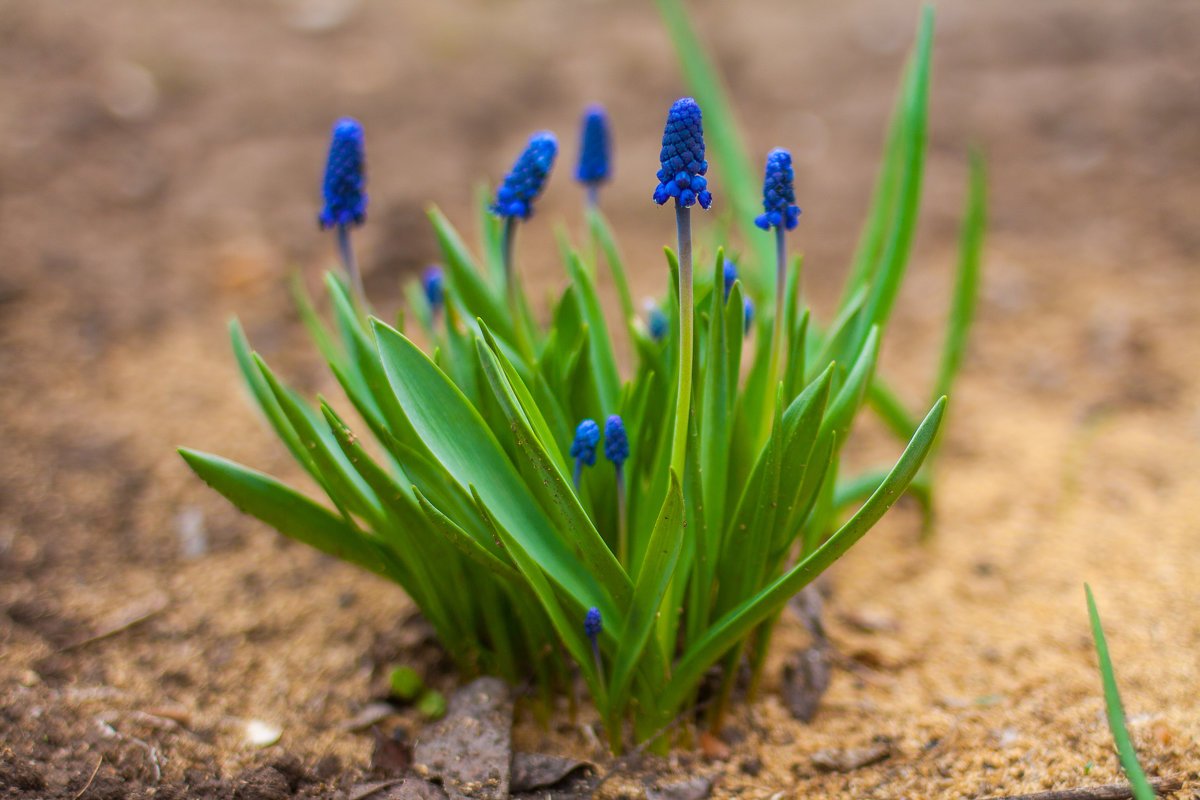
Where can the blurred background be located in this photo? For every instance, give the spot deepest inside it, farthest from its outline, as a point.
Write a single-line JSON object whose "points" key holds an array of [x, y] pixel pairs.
{"points": [[160, 167]]}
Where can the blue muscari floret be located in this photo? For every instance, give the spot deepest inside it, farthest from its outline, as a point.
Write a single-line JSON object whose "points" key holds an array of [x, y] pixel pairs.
{"points": [[616, 443], [779, 196], [587, 436], [345, 200], [594, 148], [524, 182], [433, 282], [682, 157], [592, 625], [747, 314], [730, 276], [656, 321]]}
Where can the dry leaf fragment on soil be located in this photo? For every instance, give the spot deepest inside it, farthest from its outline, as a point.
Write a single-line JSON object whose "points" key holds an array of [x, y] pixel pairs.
{"points": [[470, 750], [833, 760], [696, 788], [805, 680], [391, 755], [538, 771], [401, 789]]}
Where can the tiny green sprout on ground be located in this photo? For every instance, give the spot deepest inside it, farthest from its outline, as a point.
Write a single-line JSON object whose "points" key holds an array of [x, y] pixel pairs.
{"points": [[558, 520]]}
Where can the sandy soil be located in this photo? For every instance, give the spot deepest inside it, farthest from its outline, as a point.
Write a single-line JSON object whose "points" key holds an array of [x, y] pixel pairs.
{"points": [[159, 166]]}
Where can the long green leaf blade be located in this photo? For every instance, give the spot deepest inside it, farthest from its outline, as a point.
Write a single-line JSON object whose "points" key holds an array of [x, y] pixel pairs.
{"points": [[1116, 713], [966, 284], [286, 510]]}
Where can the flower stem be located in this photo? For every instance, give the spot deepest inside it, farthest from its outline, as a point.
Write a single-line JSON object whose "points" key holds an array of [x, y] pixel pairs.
{"points": [[578, 473], [351, 264], [622, 520], [683, 226], [513, 288], [778, 332]]}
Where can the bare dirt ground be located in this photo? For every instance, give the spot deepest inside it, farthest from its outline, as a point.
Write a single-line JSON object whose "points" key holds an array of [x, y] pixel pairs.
{"points": [[159, 167]]}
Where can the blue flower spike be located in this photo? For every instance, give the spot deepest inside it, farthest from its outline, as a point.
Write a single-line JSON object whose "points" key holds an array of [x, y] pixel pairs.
{"points": [[595, 152], [343, 189], [747, 315], [656, 321], [524, 182], [583, 448], [433, 284], [616, 450], [592, 627], [682, 158], [345, 177], [779, 195], [779, 214], [730, 276], [682, 177], [514, 201]]}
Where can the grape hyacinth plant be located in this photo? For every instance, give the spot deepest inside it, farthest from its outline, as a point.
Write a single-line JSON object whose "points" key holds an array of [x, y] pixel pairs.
{"points": [[463, 464]]}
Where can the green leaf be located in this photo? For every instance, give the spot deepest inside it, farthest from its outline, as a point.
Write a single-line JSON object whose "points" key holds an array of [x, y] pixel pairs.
{"points": [[287, 511], [603, 361], [894, 257], [1116, 713], [966, 283], [460, 440], [600, 229], [737, 623], [550, 484], [464, 280], [657, 570], [265, 399], [466, 544], [716, 413], [334, 472], [568, 626]]}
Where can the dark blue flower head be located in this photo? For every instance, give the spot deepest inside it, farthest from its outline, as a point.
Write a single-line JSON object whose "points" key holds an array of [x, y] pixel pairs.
{"points": [[433, 282], [592, 625], [616, 443], [747, 314], [345, 200], [730, 276], [587, 436], [656, 321], [779, 196], [524, 182], [682, 157], [595, 152]]}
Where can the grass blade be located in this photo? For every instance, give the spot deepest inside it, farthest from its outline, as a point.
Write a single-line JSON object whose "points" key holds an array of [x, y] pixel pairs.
{"points": [[1116, 713], [966, 284]]}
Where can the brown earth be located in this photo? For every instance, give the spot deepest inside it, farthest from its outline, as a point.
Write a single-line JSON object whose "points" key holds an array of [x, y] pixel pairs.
{"points": [[158, 173]]}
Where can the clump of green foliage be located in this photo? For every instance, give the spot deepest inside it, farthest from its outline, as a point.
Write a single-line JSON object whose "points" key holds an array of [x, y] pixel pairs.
{"points": [[680, 555]]}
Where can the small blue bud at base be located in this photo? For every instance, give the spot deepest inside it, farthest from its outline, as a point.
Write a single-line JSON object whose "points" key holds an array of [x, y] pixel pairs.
{"points": [[730, 275], [779, 196], [656, 321], [433, 282], [747, 315], [682, 158], [345, 198], [587, 437], [592, 624], [528, 176], [595, 149], [616, 442]]}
